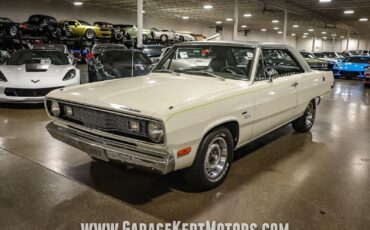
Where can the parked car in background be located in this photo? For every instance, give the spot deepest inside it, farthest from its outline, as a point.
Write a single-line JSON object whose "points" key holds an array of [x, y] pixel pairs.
{"points": [[114, 64], [80, 28], [335, 55], [153, 51], [317, 64], [8, 28], [352, 67], [29, 75], [41, 26], [151, 118], [181, 37], [131, 33], [320, 56], [367, 77], [163, 36], [117, 33]]}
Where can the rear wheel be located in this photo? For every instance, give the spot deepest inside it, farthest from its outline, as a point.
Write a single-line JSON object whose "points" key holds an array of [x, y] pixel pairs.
{"points": [[305, 122], [89, 34], [163, 38], [212, 163], [181, 39]]}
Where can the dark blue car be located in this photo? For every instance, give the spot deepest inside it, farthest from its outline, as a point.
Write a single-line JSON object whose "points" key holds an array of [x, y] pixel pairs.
{"points": [[352, 67]]}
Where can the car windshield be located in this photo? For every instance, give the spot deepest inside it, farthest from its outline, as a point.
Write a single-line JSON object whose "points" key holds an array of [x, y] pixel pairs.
{"points": [[84, 23], [308, 55], [331, 54], [230, 62], [124, 57], [362, 60], [60, 48], [153, 48], [321, 55], [5, 20], [100, 48], [36, 56]]}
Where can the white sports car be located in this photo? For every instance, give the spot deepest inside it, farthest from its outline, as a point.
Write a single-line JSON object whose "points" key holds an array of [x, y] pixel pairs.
{"points": [[29, 75], [163, 36]]}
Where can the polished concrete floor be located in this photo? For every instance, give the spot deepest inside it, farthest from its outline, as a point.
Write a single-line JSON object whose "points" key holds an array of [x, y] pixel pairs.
{"points": [[317, 180]]}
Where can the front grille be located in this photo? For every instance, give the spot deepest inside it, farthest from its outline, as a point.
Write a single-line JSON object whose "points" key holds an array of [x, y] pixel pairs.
{"points": [[104, 121], [350, 73], [16, 92]]}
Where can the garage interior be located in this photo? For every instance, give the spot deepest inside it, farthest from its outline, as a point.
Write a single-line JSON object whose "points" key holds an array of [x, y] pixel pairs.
{"points": [[314, 180]]}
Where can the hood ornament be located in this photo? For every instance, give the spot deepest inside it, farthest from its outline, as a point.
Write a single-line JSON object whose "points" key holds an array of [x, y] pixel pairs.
{"points": [[35, 81]]}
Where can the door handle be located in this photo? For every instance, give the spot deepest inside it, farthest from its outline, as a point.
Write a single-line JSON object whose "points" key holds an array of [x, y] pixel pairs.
{"points": [[294, 84]]}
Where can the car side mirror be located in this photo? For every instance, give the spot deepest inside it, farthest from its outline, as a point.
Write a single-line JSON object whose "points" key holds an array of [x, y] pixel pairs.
{"points": [[272, 74]]}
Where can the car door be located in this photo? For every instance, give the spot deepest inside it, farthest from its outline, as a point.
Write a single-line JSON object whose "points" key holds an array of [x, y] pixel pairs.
{"points": [[276, 97]]}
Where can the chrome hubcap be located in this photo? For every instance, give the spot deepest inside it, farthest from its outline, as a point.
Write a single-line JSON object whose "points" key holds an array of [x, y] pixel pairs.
{"points": [[13, 30], [310, 115], [216, 157], [89, 34]]}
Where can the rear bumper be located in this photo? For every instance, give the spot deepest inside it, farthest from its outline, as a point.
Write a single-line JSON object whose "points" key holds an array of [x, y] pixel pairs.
{"points": [[115, 150]]}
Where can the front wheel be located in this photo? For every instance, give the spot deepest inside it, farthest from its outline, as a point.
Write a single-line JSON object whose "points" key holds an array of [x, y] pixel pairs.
{"points": [[90, 34], [305, 122], [213, 161]]}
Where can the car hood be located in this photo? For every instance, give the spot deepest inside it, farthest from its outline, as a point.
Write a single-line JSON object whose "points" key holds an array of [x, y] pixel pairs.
{"points": [[352, 66], [150, 96], [22, 76]]}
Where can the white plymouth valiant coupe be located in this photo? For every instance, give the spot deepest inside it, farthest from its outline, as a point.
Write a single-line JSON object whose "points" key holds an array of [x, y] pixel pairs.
{"points": [[191, 117]]}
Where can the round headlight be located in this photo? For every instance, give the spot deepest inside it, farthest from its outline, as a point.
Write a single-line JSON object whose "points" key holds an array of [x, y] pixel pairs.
{"points": [[55, 109], [155, 131]]}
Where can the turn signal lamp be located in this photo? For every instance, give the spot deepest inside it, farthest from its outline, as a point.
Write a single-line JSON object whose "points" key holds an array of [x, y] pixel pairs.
{"points": [[183, 152]]}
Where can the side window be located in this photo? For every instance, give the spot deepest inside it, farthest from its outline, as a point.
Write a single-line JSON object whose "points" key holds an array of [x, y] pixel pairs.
{"points": [[260, 73], [71, 23], [282, 61]]}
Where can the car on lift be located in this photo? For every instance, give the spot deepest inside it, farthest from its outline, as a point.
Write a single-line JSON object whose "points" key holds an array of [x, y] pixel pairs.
{"points": [[352, 67], [190, 118], [181, 37], [116, 64], [117, 33], [153, 51], [43, 26], [8, 28], [131, 32], [28, 75], [80, 28], [164, 36]]}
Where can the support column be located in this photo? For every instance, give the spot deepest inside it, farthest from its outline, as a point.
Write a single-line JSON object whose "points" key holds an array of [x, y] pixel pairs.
{"points": [[285, 26], [333, 44], [236, 19], [313, 42], [347, 46], [139, 23]]}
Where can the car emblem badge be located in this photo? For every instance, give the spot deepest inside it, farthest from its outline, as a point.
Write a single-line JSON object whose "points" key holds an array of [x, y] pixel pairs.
{"points": [[35, 81]]}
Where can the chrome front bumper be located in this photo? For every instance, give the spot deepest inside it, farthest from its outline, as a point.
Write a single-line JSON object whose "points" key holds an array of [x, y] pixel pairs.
{"points": [[115, 150]]}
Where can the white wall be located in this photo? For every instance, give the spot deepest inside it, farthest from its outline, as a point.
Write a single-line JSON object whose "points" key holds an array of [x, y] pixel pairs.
{"points": [[340, 45], [20, 10]]}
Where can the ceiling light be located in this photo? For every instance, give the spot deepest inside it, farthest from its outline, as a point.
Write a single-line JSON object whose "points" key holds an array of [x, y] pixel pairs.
{"points": [[218, 22], [263, 30], [305, 33], [143, 11], [324, 1], [311, 30], [276, 28], [295, 26], [244, 26], [349, 11], [293, 35], [229, 19], [275, 21], [78, 3], [304, 36], [247, 15], [323, 32], [280, 32], [185, 17], [324, 38], [342, 36], [363, 19], [207, 7]]}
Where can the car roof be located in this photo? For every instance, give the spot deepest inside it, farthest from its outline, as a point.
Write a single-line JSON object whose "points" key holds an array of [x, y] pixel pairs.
{"points": [[235, 43]]}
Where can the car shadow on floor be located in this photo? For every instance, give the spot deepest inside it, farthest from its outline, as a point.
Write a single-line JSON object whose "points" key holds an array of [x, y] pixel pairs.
{"points": [[139, 187]]}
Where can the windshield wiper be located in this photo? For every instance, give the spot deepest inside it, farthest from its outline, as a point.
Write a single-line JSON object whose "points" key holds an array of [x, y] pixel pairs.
{"points": [[166, 71], [206, 73]]}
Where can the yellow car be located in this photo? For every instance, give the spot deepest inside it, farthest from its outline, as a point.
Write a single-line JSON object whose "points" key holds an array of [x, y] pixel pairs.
{"points": [[79, 28]]}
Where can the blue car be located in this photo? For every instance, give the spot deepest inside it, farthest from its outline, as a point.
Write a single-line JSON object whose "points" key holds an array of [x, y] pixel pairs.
{"points": [[352, 67]]}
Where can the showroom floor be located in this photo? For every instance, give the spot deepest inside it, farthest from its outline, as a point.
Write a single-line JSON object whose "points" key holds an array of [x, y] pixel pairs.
{"points": [[317, 180]]}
